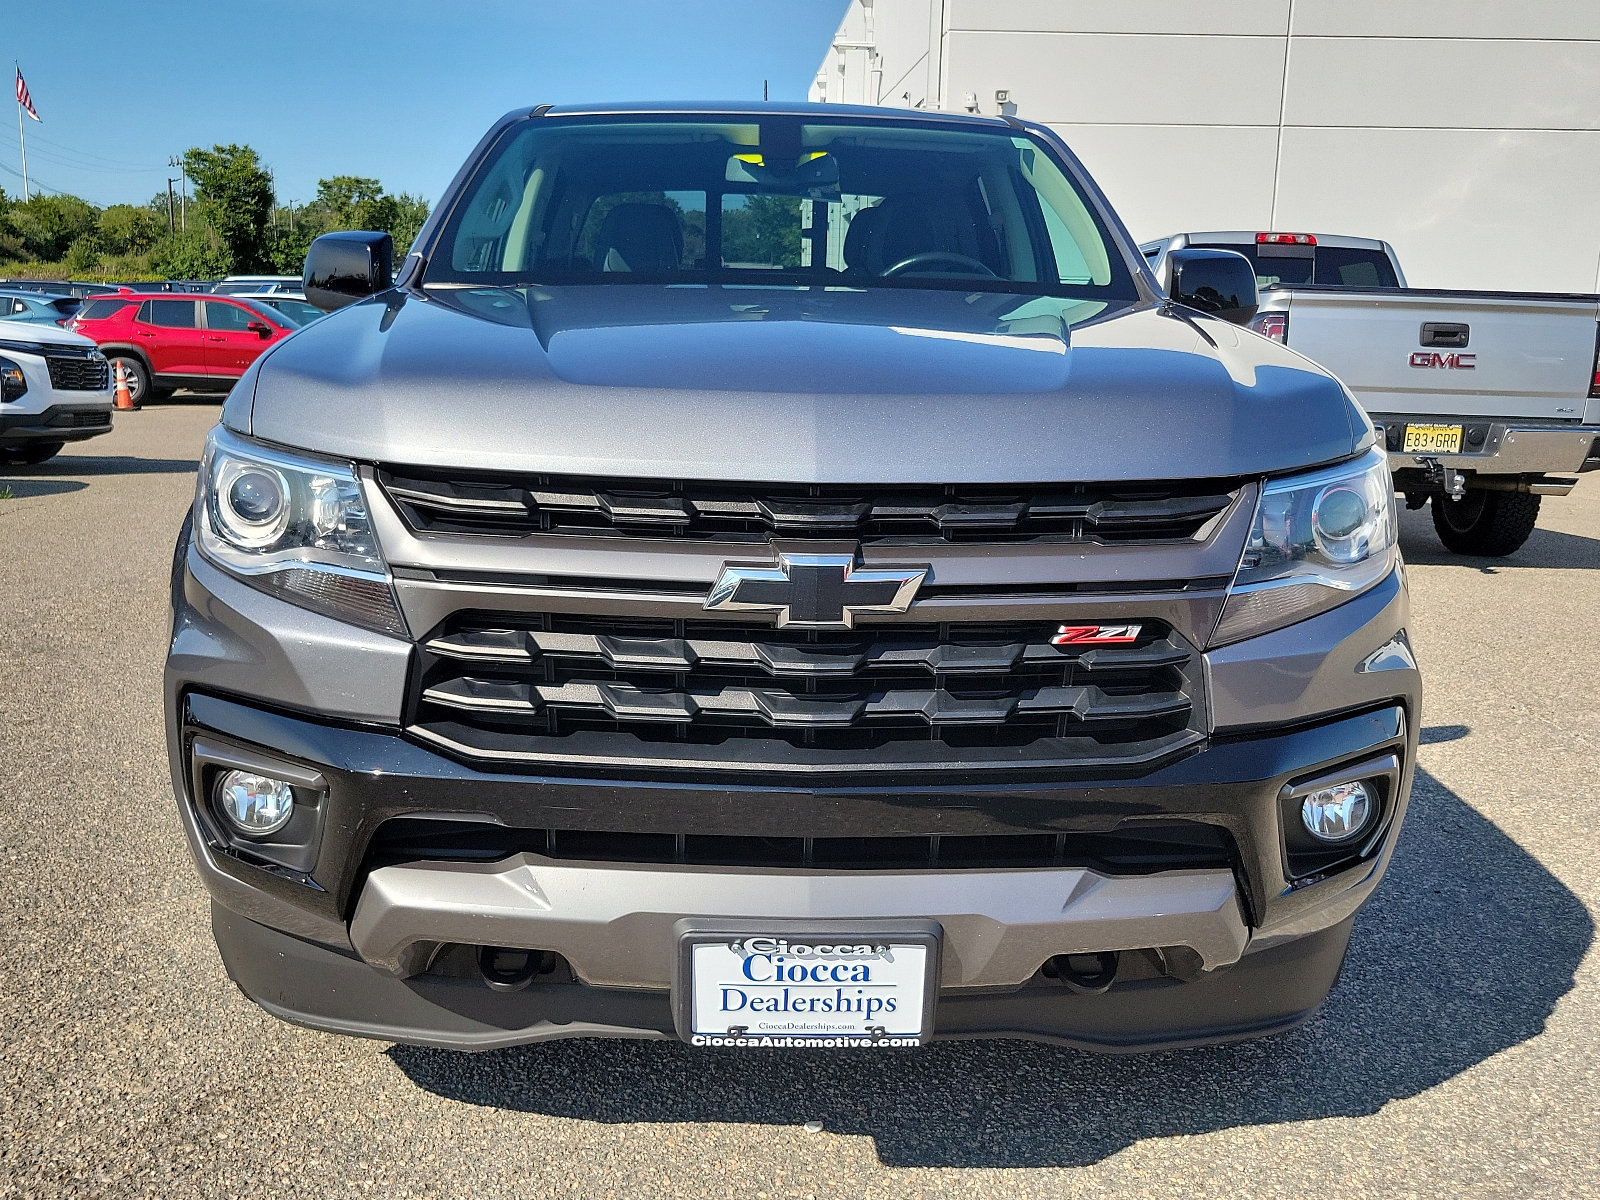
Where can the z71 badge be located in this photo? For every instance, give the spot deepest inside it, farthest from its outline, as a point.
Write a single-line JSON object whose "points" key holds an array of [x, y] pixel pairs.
{"points": [[1095, 635]]}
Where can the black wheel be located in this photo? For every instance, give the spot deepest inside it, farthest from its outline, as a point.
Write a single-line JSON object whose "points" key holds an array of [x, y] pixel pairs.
{"points": [[1489, 524], [30, 455], [137, 373]]}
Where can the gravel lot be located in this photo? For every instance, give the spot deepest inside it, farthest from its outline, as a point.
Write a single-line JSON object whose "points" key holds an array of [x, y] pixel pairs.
{"points": [[1458, 1057]]}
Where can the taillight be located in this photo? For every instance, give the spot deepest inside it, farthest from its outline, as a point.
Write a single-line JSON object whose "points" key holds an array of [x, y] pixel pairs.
{"points": [[1594, 380], [1286, 239], [1274, 325]]}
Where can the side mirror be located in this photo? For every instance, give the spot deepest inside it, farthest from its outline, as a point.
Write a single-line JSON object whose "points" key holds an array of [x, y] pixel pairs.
{"points": [[1218, 282], [342, 268], [260, 329]]}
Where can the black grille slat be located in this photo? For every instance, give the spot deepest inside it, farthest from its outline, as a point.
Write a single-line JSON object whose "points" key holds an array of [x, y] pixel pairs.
{"points": [[541, 684], [77, 374], [1134, 847], [1116, 513]]}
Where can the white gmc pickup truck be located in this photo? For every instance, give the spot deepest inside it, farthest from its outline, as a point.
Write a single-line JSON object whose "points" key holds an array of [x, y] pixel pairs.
{"points": [[1488, 401]]}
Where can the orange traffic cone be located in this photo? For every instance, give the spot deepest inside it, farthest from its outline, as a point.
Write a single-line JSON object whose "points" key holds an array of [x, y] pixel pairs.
{"points": [[124, 396]]}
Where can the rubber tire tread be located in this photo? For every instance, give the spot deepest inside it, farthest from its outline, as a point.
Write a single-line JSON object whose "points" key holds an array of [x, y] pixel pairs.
{"points": [[1506, 522]]}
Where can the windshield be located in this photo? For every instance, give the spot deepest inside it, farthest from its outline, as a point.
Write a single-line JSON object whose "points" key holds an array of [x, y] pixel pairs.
{"points": [[786, 200]]}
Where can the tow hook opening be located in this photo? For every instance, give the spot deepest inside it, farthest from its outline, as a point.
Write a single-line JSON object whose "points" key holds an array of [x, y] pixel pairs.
{"points": [[1086, 974], [506, 969]]}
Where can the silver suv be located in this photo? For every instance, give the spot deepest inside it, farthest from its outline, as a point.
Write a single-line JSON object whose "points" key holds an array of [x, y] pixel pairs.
{"points": [[787, 576]]}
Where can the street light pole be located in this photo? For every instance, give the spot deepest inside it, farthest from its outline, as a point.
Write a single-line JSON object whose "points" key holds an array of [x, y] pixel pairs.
{"points": [[170, 224]]}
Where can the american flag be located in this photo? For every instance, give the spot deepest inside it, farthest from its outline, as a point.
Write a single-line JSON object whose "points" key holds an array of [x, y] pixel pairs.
{"points": [[22, 96]]}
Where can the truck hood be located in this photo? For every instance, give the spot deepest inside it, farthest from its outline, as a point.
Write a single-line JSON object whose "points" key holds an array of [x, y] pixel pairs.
{"points": [[769, 384]]}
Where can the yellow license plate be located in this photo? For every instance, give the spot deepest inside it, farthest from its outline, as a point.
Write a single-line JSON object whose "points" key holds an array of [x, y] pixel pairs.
{"points": [[1432, 439]]}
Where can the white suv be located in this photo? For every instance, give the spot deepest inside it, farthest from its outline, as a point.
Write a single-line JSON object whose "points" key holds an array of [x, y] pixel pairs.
{"points": [[55, 388]]}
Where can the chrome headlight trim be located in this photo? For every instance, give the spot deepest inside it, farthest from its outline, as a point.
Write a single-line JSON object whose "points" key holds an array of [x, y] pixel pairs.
{"points": [[1289, 569], [318, 550]]}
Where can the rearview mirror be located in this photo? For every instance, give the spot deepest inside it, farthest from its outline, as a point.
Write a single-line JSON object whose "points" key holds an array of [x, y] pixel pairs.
{"points": [[814, 174], [260, 329], [1218, 282], [342, 268]]}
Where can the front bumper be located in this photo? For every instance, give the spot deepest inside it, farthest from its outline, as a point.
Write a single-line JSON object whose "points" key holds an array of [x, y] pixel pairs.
{"points": [[58, 423]]}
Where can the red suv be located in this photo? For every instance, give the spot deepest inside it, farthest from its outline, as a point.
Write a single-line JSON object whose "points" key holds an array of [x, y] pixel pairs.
{"points": [[204, 343]]}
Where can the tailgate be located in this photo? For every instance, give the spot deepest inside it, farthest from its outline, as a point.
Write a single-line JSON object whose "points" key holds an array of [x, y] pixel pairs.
{"points": [[1520, 354]]}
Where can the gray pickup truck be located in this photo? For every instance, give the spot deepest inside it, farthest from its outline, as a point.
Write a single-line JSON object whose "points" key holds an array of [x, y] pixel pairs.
{"points": [[787, 576], [1486, 401]]}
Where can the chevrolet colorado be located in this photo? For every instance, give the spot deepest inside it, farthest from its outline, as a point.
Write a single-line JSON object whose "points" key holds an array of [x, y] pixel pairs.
{"points": [[1486, 401], [786, 576]]}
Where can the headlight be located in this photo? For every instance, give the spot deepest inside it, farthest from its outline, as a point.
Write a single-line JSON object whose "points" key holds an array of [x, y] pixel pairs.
{"points": [[13, 383], [295, 527], [1319, 539]]}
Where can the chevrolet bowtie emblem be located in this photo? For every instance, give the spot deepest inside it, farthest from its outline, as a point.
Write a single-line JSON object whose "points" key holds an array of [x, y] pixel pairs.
{"points": [[815, 591]]}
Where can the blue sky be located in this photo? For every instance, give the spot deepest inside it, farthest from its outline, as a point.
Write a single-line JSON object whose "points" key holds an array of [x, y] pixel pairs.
{"points": [[395, 89]]}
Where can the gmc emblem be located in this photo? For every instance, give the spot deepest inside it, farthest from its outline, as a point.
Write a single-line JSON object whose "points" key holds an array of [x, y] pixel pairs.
{"points": [[1451, 362]]}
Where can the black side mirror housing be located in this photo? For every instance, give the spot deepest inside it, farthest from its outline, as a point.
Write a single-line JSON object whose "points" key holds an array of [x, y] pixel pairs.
{"points": [[1218, 282], [260, 329], [342, 268]]}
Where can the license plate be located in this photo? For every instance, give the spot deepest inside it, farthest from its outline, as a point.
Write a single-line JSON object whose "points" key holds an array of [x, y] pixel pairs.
{"points": [[784, 987], [1432, 439]]}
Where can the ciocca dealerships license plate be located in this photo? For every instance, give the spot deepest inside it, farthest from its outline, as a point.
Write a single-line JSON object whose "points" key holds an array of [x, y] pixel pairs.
{"points": [[796, 990]]}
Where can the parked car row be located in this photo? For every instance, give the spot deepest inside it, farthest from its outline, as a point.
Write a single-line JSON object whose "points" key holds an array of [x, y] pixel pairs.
{"points": [[59, 353], [164, 342]]}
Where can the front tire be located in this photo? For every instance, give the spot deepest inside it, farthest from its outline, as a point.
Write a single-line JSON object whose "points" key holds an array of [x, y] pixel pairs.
{"points": [[30, 455], [138, 374], [1487, 524]]}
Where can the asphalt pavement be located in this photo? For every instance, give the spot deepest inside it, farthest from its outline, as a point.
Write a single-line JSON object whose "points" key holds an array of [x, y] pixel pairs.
{"points": [[1459, 1056]]}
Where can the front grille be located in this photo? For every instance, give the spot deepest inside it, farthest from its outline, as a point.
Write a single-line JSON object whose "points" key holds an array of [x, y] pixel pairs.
{"points": [[77, 374], [560, 687], [512, 507], [1134, 847]]}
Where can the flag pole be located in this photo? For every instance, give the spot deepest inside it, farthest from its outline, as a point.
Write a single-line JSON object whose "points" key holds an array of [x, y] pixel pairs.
{"points": [[21, 140]]}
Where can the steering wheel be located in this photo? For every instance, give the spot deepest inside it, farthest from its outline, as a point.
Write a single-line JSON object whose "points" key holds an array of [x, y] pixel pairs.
{"points": [[933, 256]]}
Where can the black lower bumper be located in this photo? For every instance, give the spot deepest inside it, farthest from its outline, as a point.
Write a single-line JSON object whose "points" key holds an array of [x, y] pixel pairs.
{"points": [[58, 423], [1268, 991]]}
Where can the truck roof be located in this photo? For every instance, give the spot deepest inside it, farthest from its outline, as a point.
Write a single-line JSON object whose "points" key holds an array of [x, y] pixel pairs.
{"points": [[758, 108]]}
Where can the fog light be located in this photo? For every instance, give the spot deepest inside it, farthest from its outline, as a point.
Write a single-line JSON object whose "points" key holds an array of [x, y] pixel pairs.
{"points": [[1338, 813], [255, 804]]}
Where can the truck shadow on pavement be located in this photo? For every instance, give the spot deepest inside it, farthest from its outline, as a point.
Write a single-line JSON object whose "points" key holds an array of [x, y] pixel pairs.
{"points": [[1463, 953]]}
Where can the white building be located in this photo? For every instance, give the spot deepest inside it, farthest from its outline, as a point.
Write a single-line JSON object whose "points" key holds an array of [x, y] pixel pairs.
{"points": [[1466, 134]]}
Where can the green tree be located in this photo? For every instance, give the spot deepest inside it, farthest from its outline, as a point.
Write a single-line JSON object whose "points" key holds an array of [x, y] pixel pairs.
{"points": [[125, 229], [410, 213], [83, 256], [10, 239], [287, 248], [47, 225], [234, 195], [764, 231], [355, 202], [197, 254]]}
